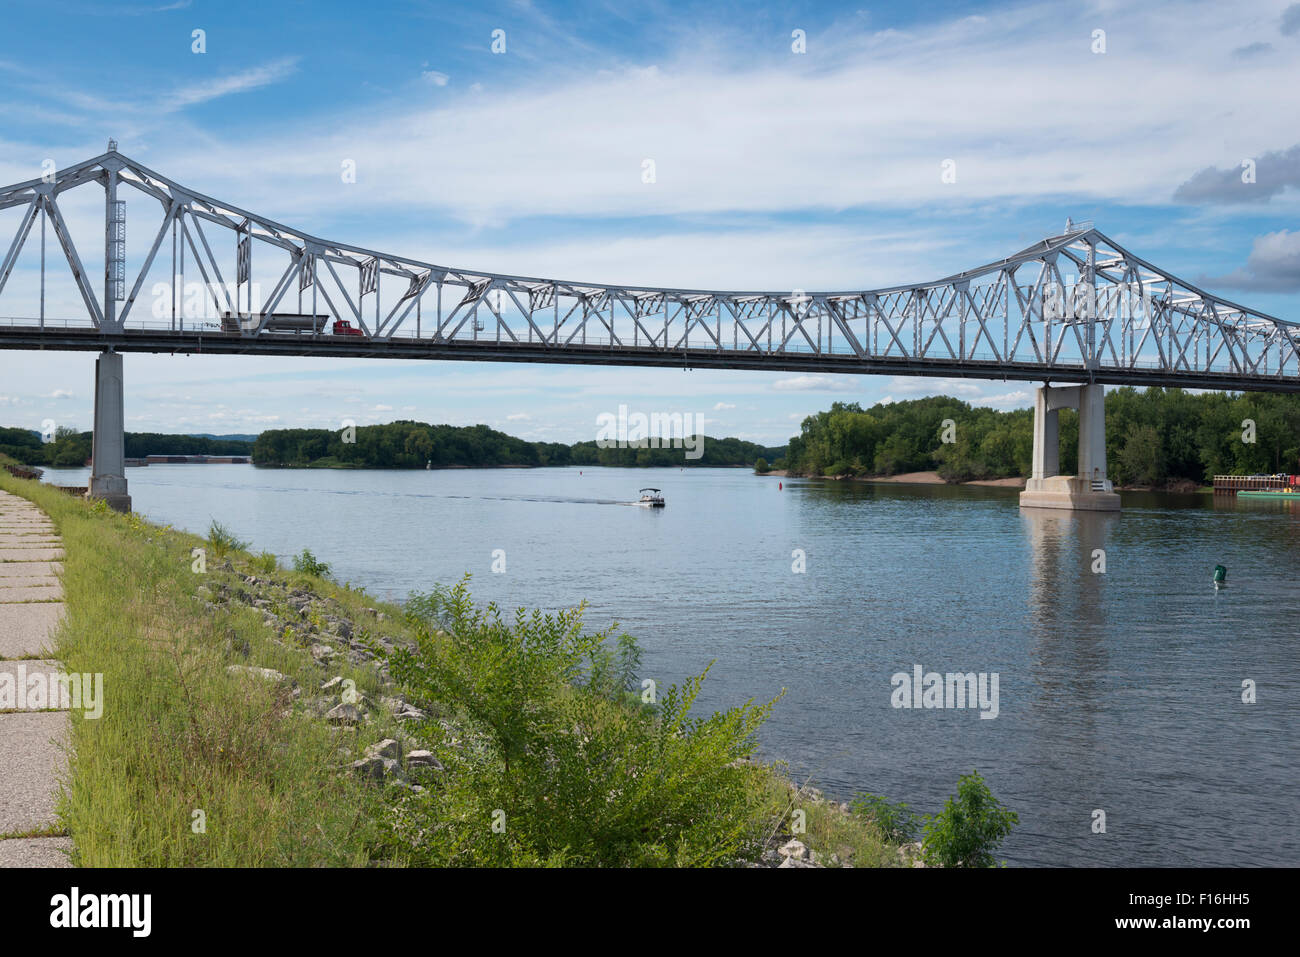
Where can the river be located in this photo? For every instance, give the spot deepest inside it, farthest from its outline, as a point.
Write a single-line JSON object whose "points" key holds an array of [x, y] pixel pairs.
{"points": [[1118, 690]]}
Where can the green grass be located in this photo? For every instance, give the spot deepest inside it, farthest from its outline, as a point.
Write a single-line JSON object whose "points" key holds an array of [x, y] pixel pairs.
{"points": [[179, 734], [35, 832], [850, 839]]}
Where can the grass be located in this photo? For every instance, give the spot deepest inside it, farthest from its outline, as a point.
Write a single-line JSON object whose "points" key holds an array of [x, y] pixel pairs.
{"points": [[35, 832], [182, 742], [178, 733], [850, 839]]}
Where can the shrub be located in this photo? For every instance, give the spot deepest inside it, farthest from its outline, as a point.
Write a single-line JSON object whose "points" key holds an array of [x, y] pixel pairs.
{"points": [[566, 774], [223, 541], [969, 828], [613, 671], [895, 821], [761, 466], [307, 563], [265, 562]]}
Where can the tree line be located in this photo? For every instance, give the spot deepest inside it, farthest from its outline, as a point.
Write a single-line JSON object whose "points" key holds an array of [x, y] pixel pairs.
{"points": [[408, 444], [1154, 437], [69, 448]]}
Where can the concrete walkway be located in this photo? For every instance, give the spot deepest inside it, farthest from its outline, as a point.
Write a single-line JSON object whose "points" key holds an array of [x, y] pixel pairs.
{"points": [[31, 759]]}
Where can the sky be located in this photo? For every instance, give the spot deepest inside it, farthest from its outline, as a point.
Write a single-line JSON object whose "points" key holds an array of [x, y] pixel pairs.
{"points": [[795, 146]]}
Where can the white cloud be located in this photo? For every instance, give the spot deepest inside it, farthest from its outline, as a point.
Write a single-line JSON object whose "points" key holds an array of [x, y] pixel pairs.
{"points": [[434, 77], [816, 383], [241, 82], [1014, 399], [729, 135], [723, 406]]}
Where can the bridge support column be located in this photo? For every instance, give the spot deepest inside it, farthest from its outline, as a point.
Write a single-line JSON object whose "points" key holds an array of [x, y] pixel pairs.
{"points": [[108, 460], [1090, 489]]}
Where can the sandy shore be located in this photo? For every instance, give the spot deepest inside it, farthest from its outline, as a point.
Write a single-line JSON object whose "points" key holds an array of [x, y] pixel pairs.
{"points": [[922, 478]]}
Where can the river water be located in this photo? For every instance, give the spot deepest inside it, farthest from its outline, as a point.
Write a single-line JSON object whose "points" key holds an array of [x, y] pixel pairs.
{"points": [[1118, 690]]}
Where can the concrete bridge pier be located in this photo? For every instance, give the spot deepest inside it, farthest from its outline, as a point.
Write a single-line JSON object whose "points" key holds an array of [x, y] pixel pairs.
{"points": [[1090, 489], [108, 458]]}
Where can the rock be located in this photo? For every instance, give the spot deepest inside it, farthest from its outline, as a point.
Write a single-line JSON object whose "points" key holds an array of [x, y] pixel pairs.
{"points": [[266, 674], [344, 629], [423, 759], [369, 768], [334, 683], [910, 854], [411, 714], [795, 862], [322, 653], [346, 713], [387, 748], [793, 849]]}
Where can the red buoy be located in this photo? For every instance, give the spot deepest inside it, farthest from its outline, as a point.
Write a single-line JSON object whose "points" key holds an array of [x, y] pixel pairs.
{"points": [[779, 486]]}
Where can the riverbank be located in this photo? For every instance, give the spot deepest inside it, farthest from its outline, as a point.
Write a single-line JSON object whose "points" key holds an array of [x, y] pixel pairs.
{"points": [[906, 478], [272, 732]]}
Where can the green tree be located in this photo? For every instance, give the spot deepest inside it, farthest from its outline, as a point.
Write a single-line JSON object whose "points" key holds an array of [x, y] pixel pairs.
{"points": [[1142, 460], [968, 830]]}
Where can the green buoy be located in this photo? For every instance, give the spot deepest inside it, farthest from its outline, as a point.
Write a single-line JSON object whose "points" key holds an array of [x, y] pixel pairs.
{"points": [[1220, 576]]}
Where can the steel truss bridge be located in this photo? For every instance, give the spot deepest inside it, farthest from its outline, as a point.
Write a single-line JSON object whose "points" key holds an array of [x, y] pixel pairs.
{"points": [[1076, 307]]}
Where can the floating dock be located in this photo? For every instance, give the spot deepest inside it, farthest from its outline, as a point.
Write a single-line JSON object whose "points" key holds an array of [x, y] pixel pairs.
{"points": [[1275, 485]]}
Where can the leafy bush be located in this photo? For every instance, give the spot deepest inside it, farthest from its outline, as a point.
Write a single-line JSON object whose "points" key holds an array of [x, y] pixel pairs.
{"points": [[761, 466], [969, 828], [223, 541], [558, 772], [895, 821], [265, 562], [613, 672], [308, 564]]}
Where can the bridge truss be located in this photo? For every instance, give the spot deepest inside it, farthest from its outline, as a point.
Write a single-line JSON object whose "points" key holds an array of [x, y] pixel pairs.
{"points": [[1076, 307]]}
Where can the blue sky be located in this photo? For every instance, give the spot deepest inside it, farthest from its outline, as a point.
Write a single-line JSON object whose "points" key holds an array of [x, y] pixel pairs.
{"points": [[775, 169]]}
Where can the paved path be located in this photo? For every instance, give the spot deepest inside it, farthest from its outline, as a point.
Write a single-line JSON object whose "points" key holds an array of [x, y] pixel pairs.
{"points": [[31, 759]]}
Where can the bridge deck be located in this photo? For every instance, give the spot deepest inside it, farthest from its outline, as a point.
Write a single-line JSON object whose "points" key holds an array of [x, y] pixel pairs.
{"points": [[604, 353]]}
